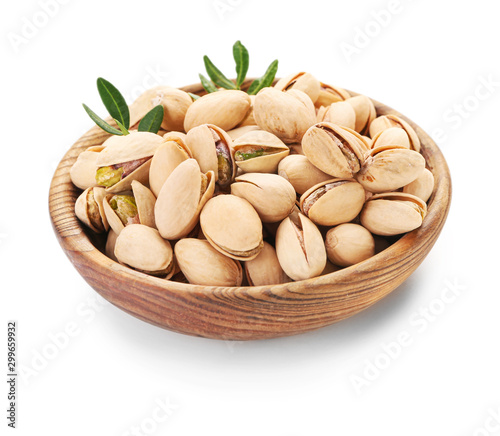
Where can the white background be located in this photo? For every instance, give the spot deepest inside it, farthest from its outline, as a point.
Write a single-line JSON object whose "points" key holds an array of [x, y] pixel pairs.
{"points": [[428, 61]]}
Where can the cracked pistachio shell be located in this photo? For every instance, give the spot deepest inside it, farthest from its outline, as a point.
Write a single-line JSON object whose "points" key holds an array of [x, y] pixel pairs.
{"points": [[202, 264], [387, 121], [249, 119], [391, 136], [82, 172], [390, 168], [142, 248], [333, 202], [348, 244], [393, 213], [181, 199], [340, 113], [300, 248], [128, 148], [110, 245], [333, 149], [330, 94], [265, 269], [422, 186], [232, 226], [240, 131], [90, 210], [269, 150], [285, 114], [203, 142], [271, 195], [365, 112], [226, 109], [145, 201], [165, 160], [174, 101], [304, 82], [301, 173]]}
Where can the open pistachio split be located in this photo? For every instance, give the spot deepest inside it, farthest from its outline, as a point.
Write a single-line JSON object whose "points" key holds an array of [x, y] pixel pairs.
{"points": [[385, 122], [90, 210]]}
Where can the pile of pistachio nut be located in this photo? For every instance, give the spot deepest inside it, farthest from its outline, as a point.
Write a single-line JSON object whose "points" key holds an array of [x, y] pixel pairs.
{"points": [[300, 180]]}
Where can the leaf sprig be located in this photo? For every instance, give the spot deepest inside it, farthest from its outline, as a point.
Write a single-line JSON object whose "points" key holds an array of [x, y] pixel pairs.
{"points": [[117, 107], [242, 60]]}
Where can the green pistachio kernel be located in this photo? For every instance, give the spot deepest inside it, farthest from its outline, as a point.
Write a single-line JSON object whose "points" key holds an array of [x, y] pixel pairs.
{"points": [[125, 208], [224, 169], [108, 176]]}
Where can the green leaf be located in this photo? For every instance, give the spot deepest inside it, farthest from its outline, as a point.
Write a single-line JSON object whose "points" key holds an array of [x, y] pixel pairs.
{"points": [[240, 54], [193, 96], [207, 84], [152, 120], [100, 122], [217, 77], [266, 80], [122, 128], [114, 102]]}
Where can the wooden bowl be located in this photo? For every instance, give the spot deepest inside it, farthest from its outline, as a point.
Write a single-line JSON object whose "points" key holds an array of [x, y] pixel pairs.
{"points": [[244, 313]]}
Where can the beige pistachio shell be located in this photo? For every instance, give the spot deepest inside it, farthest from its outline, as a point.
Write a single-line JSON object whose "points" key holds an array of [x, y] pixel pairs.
{"points": [[89, 209], [422, 186], [145, 201], [82, 172], [285, 114], [265, 269], [240, 131], [330, 94], [271, 195], [393, 213], [333, 149], [364, 141], [301, 173], [300, 248], [340, 113], [333, 202], [165, 160], [181, 199], [387, 121], [175, 104], [270, 144], [365, 112], [387, 169], [226, 109], [232, 226], [202, 264], [348, 244], [304, 82], [110, 245], [202, 142], [143, 249], [249, 119], [391, 136]]}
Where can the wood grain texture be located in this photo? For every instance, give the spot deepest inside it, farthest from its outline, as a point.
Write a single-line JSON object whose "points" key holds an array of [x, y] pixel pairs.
{"points": [[246, 313]]}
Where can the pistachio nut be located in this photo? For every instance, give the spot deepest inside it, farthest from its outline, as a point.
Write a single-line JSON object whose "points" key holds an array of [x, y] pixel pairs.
{"points": [[285, 114], [393, 213], [202, 264], [333, 202], [390, 168], [422, 186], [226, 109], [181, 199], [333, 149], [348, 244], [249, 120], [166, 158], [364, 141], [340, 113], [175, 104], [240, 131], [110, 245], [271, 195], [232, 226], [89, 209], [304, 82], [265, 269], [121, 211], [300, 247], [330, 94], [301, 173], [142, 248], [387, 121], [391, 136], [365, 112], [126, 158], [212, 147], [145, 201], [82, 173], [259, 151]]}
